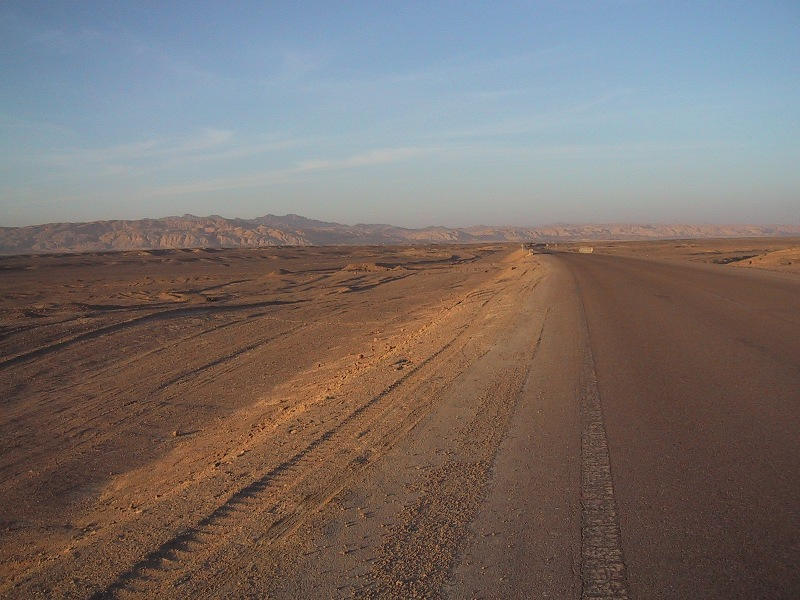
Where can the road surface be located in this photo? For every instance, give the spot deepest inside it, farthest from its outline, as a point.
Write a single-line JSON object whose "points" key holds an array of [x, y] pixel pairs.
{"points": [[698, 369]]}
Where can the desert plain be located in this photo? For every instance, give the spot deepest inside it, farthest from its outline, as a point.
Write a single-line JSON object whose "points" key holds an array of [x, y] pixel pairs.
{"points": [[464, 421]]}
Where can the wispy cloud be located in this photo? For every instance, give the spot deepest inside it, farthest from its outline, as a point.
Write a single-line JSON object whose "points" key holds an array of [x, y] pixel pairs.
{"points": [[217, 148], [16, 123], [242, 150], [66, 42], [371, 158], [628, 150], [52, 39], [571, 113], [454, 69], [374, 157], [205, 140]]}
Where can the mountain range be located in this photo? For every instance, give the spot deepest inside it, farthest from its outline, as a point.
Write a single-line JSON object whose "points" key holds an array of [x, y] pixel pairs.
{"points": [[189, 231]]}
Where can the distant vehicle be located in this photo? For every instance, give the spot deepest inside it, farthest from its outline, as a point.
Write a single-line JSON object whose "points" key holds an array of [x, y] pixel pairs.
{"points": [[536, 247], [585, 249]]}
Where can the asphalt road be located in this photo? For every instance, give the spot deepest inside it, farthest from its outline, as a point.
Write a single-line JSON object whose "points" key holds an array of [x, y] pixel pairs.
{"points": [[698, 373]]}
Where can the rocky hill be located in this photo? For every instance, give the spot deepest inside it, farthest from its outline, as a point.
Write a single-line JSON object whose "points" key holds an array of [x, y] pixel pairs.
{"points": [[190, 231]]}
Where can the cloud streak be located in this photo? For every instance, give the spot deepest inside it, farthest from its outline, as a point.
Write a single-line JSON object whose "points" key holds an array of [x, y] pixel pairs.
{"points": [[155, 148], [366, 159]]}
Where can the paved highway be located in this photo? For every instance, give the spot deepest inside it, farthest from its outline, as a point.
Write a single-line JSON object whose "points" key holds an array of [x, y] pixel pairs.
{"points": [[698, 372]]}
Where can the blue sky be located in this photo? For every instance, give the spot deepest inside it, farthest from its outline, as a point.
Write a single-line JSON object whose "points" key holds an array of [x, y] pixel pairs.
{"points": [[409, 113]]}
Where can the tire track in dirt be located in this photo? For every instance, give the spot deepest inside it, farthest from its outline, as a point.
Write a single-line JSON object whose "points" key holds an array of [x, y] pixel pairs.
{"points": [[140, 409], [416, 559], [157, 566], [219, 580], [161, 566], [227, 357], [166, 314]]}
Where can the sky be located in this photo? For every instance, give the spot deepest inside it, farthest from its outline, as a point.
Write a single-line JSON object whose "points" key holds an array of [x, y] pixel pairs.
{"points": [[414, 114]]}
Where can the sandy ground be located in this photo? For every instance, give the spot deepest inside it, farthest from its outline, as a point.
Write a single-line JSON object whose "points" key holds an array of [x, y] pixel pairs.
{"points": [[454, 421], [774, 254], [171, 406]]}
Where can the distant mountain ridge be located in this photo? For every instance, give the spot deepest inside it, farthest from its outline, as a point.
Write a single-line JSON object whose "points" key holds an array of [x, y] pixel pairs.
{"points": [[189, 231]]}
